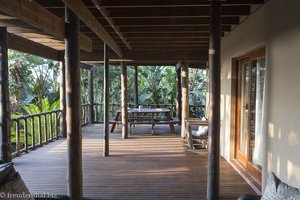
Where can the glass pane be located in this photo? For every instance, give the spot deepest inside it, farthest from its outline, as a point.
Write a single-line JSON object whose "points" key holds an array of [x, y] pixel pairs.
{"points": [[244, 108], [256, 154], [252, 106]]}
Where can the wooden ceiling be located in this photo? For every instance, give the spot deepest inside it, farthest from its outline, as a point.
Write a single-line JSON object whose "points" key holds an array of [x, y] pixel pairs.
{"points": [[158, 32]]}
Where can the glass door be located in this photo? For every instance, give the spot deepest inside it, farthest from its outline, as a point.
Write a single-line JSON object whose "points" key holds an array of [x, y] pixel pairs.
{"points": [[243, 117], [250, 116]]}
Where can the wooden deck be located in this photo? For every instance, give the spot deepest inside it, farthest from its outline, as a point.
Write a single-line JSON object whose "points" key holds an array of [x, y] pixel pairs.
{"points": [[142, 167]]}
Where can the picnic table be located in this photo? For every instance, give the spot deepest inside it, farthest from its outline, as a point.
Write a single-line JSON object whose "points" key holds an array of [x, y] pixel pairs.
{"points": [[151, 116]]}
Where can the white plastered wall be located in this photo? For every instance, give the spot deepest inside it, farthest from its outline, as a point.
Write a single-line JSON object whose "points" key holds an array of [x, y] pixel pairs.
{"points": [[277, 26]]}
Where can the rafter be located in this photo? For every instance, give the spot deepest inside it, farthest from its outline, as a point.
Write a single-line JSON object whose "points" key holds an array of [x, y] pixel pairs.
{"points": [[111, 23], [158, 29], [170, 3], [35, 15], [38, 17], [21, 44], [152, 56], [78, 7], [171, 12], [171, 21]]}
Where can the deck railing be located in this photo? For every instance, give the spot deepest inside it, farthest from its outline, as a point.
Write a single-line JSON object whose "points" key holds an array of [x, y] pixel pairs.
{"points": [[31, 131], [85, 110]]}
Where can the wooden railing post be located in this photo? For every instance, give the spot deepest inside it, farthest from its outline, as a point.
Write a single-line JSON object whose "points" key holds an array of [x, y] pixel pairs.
{"points": [[56, 124], [25, 135], [73, 105], [18, 147], [5, 143], [91, 95], [51, 126], [213, 176], [45, 129], [40, 130], [32, 132]]}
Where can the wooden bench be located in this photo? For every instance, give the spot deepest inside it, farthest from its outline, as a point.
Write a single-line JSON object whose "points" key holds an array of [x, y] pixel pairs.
{"points": [[194, 141], [153, 122]]}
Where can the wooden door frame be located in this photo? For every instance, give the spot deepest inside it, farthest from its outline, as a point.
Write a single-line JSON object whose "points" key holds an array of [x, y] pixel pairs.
{"points": [[258, 53]]}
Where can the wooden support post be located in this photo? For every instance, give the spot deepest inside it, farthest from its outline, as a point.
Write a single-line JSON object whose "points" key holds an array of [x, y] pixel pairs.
{"points": [[136, 87], [124, 101], [185, 98], [179, 94], [63, 126], [106, 102], [73, 105], [5, 144], [213, 177], [91, 95]]}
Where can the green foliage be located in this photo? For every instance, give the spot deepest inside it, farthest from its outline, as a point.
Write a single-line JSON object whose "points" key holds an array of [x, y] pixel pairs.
{"points": [[46, 107], [197, 86], [31, 79], [157, 85]]}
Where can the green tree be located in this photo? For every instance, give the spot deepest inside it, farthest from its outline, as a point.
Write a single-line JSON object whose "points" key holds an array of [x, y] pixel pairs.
{"points": [[197, 86], [31, 79]]}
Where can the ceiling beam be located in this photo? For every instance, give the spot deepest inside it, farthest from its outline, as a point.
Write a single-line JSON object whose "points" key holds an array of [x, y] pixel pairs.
{"points": [[171, 21], [150, 56], [167, 39], [21, 44], [40, 18], [78, 7], [85, 43], [111, 23], [166, 35], [86, 66], [170, 3], [134, 12], [166, 29], [35, 15]]}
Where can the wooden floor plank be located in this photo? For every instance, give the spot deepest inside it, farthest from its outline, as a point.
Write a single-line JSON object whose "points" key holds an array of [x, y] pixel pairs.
{"points": [[142, 167]]}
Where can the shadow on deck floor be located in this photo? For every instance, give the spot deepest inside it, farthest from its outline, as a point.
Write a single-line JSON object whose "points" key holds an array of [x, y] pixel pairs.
{"points": [[141, 167]]}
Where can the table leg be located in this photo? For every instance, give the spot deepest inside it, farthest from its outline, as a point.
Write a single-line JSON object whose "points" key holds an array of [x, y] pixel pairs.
{"points": [[115, 124], [172, 127]]}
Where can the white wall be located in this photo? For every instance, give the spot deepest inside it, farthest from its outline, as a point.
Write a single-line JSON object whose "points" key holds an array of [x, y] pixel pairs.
{"points": [[246, 37], [283, 54], [277, 26]]}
